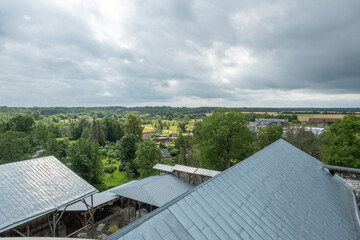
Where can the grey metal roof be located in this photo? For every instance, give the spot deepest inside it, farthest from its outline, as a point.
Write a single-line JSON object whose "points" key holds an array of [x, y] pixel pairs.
{"points": [[165, 153], [183, 168], [207, 172], [31, 188], [98, 199], [278, 193], [162, 167], [155, 190]]}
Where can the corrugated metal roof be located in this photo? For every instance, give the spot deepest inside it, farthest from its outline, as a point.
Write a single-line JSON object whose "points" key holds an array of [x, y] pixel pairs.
{"points": [[163, 167], [183, 168], [155, 190], [207, 172], [278, 193], [31, 188], [98, 199]]}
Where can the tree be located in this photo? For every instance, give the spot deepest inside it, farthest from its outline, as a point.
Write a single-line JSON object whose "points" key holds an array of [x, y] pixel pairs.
{"points": [[14, 146], [127, 154], [36, 114], [76, 129], [57, 148], [307, 141], [41, 134], [269, 134], [113, 129], [96, 133], [342, 143], [85, 159], [182, 125], [128, 148], [160, 125], [133, 126], [224, 139], [185, 144], [22, 123], [147, 156]]}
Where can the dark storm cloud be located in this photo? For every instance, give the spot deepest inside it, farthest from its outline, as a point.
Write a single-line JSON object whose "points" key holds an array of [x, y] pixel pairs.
{"points": [[180, 52]]}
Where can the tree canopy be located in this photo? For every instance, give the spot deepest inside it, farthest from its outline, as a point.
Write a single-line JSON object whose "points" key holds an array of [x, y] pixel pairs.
{"points": [[133, 126], [224, 139], [85, 159], [342, 143], [269, 134], [147, 155]]}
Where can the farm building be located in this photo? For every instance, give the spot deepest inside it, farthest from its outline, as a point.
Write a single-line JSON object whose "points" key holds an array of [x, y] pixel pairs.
{"points": [[32, 194], [263, 123], [279, 192]]}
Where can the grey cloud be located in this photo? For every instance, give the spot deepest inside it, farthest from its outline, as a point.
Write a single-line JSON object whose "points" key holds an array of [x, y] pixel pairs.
{"points": [[179, 50]]}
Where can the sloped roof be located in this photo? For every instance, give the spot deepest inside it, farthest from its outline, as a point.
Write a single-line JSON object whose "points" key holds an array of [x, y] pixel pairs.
{"points": [[98, 199], [165, 153], [163, 167], [31, 188], [183, 168], [207, 172], [278, 193], [155, 190]]}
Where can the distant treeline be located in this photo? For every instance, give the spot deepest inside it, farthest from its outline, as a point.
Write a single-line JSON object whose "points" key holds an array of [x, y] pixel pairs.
{"points": [[163, 110]]}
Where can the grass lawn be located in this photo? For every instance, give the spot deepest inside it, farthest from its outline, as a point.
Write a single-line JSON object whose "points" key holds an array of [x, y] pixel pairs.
{"points": [[114, 179]]}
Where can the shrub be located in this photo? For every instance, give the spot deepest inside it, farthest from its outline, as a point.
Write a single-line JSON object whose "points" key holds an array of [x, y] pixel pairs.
{"points": [[110, 169]]}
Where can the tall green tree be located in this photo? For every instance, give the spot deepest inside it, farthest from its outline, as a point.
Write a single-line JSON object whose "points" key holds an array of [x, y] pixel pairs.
{"points": [[147, 155], [85, 158], [128, 148], [342, 143], [133, 126], [224, 139], [186, 145], [14, 146], [269, 134], [113, 129], [97, 133]]}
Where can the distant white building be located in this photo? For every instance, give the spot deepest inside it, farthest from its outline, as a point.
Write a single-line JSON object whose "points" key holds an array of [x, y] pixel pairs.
{"points": [[316, 130]]}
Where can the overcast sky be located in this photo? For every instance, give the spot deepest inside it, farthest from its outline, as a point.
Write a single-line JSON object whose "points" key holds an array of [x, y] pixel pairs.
{"points": [[180, 53]]}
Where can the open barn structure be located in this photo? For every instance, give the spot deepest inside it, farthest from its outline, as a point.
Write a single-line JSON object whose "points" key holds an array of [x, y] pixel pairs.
{"points": [[34, 195]]}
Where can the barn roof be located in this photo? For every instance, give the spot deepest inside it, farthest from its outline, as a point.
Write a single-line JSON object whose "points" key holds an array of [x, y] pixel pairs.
{"points": [[183, 168], [163, 167], [278, 193], [155, 190], [98, 199], [32, 188]]}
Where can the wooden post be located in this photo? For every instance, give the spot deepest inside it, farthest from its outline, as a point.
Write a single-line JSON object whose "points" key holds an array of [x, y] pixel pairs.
{"points": [[54, 223], [27, 231]]}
